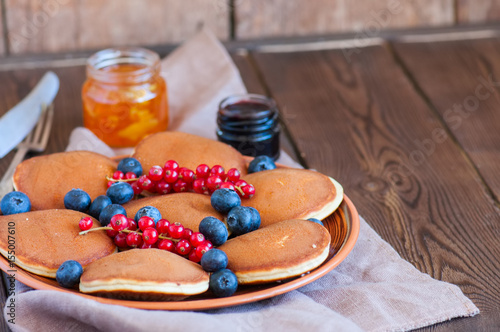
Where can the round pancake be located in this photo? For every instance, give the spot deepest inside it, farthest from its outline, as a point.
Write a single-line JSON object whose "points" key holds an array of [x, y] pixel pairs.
{"points": [[188, 150], [46, 179], [291, 193], [282, 250], [145, 274], [187, 208], [46, 239]]}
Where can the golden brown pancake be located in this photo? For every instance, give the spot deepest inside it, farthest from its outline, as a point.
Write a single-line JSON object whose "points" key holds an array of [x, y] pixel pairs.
{"points": [[144, 274], [46, 179], [188, 150], [291, 193], [187, 208], [280, 251], [46, 239]]}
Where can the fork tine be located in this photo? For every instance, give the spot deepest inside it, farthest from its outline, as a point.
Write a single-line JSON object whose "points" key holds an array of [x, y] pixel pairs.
{"points": [[48, 126], [37, 131]]}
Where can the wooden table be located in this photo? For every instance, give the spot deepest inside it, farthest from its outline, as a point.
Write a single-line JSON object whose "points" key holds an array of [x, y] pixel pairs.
{"points": [[410, 126]]}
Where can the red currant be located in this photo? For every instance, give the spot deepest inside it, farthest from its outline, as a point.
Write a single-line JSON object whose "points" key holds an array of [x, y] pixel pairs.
{"points": [[202, 171], [175, 230], [193, 256], [163, 187], [119, 222], [166, 244], [137, 189], [180, 186], [150, 235], [217, 170], [248, 191], [240, 183], [145, 183], [118, 175], [162, 226], [145, 222], [227, 185], [233, 175], [186, 234], [213, 183], [130, 175], [134, 240], [202, 248], [111, 233], [155, 173], [171, 164], [132, 225], [187, 175], [121, 240], [196, 239], [171, 175], [183, 247], [86, 223], [199, 186], [110, 183]]}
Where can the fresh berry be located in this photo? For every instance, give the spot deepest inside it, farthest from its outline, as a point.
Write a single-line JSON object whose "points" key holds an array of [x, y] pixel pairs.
{"points": [[248, 191], [137, 188], [145, 222], [196, 239], [203, 248], [239, 220], [110, 183], [15, 202], [163, 187], [217, 170], [316, 221], [240, 183], [134, 240], [223, 200], [119, 222], [193, 256], [86, 223], [145, 245], [109, 211], [99, 203], [214, 260], [199, 186], [186, 234], [166, 244], [180, 186], [261, 163], [149, 211], [227, 185], [171, 175], [162, 226], [175, 230], [118, 175], [183, 247], [76, 199], [233, 175], [68, 274], [112, 233], [202, 171], [120, 193], [213, 183], [130, 165], [150, 235], [145, 183], [130, 176], [155, 173], [120, 240], [255, 218], [223, 283], [187, 175], [171, 164], [132, 224], [214, 230]]}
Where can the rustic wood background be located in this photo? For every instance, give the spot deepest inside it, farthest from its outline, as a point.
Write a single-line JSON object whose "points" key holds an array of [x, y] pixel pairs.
{"points": [[47, 26]]}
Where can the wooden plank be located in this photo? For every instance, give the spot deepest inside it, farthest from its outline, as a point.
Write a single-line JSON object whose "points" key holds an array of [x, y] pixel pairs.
{"points": [[2, 33], [461, 80], [256, 19], [362, 123], [69, 25], [477, 11]]}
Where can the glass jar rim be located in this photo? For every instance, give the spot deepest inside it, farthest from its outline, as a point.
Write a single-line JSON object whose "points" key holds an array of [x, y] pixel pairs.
{"points": [[234, 99], [123, 55]]}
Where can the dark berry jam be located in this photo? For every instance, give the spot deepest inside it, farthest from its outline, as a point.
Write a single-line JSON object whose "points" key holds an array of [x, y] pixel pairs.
{"points": [[250, 124]]}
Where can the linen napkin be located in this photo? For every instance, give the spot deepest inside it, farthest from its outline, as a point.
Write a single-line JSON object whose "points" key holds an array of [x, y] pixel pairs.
{"points": [[373, 289]]}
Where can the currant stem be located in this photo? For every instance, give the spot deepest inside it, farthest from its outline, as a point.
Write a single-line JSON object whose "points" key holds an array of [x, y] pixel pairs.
{"points": [[126, 231]]}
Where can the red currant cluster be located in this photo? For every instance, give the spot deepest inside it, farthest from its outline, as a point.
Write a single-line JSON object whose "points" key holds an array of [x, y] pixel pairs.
{"points": [[173, 178], [127, 234]]}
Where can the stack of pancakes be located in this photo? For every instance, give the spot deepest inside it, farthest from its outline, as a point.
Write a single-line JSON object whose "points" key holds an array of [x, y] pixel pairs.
{"points": [[285, 246]]}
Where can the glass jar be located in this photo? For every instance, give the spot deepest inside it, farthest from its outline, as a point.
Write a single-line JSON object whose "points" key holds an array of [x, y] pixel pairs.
{"points": [[250, 123], [124, 96]]}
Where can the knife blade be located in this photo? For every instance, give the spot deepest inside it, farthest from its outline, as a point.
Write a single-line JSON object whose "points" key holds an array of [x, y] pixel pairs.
{"points": [[18, 122]]}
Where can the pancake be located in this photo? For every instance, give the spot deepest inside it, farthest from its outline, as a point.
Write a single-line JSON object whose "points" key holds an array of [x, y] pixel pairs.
{"points": [[46, 179], [187, 208], [277, 252], [291, 193], [188, 150], [144, 274], [43, 240]]}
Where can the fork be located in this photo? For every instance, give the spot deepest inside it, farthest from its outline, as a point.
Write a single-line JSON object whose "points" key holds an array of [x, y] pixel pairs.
{"points": [[35, 141]]}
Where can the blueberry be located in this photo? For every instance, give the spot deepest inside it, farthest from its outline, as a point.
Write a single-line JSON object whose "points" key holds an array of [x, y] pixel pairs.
{"points": [[149, 211], [120, 192], [255, 218], [214, 260], [130, 165], [214, 230], [240, 220], [223, 200], [99, 203], [223, 283], [15, 202], [77, 199], [261, 163], [316, 221], [69, 273], [109, 211]]}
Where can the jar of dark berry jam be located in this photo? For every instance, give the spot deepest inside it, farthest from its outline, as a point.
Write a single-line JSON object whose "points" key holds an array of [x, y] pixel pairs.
{"points": [[250, 124]]}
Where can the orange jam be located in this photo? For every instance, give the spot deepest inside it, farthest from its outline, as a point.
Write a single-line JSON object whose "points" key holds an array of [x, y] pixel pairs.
{"points": [[124, 97]]}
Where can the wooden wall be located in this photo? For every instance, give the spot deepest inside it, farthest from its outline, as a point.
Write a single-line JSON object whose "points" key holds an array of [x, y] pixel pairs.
{"points": [[45, 26]]}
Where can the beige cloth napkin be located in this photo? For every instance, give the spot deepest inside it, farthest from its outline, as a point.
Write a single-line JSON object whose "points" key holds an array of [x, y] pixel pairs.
{"points": [[372, 290]]}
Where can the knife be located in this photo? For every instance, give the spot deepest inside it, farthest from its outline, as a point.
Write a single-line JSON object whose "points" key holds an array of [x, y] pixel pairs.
{"points": [[18, 122]]}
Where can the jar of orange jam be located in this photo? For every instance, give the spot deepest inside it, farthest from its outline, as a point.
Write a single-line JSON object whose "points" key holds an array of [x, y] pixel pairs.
{"points": [[124, 96]]}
